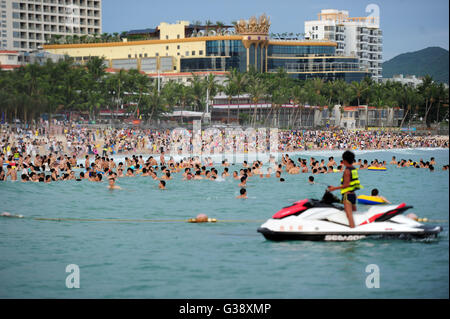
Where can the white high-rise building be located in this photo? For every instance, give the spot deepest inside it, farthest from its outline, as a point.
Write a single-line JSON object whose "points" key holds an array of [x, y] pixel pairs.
{"points": [[25, 25], [360, 37]]}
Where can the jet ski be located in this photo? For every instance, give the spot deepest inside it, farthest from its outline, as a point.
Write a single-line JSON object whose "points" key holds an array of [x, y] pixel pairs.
{"points": [[324, 220]]}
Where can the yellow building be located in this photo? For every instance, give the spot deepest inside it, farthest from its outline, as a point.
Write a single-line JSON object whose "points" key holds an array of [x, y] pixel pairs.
{"points": [[181, 49]]}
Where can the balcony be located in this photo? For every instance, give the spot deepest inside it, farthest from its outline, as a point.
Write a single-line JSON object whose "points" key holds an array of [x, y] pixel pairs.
{"points": [[364, 31], [362, 39]]}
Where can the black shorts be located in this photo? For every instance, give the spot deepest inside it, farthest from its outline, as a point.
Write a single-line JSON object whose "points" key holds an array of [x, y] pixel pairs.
{"points": [[350, 197]]}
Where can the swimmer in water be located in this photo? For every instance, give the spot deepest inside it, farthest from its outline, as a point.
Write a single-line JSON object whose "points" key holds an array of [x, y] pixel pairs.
{"points": [[162, 185], [243, 181], [112, 182], [11, 172], [375, 193], [198, 175], [243, 193], [130, 172], [311, 180]]}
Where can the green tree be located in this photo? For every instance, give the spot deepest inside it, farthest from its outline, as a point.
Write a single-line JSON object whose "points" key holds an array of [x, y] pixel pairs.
{"points": [[198, 90], [229, 90], [239, 81]]}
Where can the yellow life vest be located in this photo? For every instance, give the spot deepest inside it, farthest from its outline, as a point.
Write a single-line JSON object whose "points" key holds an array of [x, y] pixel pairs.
{"points": [[354, 182]]}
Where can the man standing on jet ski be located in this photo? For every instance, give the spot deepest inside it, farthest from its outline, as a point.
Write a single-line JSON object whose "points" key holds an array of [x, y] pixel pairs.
{"points": [[349, 183]]}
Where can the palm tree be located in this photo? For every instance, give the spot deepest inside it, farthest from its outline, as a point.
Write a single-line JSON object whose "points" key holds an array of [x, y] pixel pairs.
{"points": [[123, 34], [442, 98], [240, 81], [211, 86], [208, 24], [278, 98], [96, 67], [359, 88], [198, 92], [115, 84], [220, 27], [154, 102], [229, 90], [429, 91], [278, 91], [185, 96], [104, 37], [256, 89], [299, 98]]}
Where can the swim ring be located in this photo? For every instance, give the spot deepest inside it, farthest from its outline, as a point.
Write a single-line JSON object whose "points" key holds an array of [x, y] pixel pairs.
{"points": [[369, 200], [373, 168]]}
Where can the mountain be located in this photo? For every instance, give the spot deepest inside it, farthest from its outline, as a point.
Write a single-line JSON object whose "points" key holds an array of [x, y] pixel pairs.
{"points": [[432, 61]]}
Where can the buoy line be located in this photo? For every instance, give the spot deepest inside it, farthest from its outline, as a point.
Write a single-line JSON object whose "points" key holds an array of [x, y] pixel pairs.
{"points": [[190, 220], [212, 220]]}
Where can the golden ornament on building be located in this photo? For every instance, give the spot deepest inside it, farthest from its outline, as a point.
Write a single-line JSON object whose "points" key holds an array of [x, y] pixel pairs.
{"points": [[253, 26]]}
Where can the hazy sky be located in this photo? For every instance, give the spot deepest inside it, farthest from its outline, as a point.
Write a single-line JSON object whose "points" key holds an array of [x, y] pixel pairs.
{"points": [[408, 25]]}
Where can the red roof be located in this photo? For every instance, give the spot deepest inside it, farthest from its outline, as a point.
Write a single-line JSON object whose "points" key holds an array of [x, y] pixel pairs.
{"points": [[6, 51], [111, 70], [9, 66]]}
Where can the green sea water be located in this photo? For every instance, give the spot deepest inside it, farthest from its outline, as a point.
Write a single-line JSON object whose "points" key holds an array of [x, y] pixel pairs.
{"points": [[141, 259]]}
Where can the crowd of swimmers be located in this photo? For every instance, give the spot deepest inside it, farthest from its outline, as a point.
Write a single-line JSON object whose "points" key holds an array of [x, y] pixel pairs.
{"points": [[81, 141], [53, 167]]}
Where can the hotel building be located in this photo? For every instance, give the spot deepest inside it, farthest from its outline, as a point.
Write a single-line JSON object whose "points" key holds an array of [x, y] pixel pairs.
{"points": [[25, 25], [179, 49], [359, 36]]}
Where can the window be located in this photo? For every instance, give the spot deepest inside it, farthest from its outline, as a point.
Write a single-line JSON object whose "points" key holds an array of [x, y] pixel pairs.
{"points": [[129, 56], [178, 53], [174, 67], [178, 47], [145, 55], [187, 53], [157, 54], [200, 52], [193, 52], [167, 37], [140, 55], [167, 47], [178, 36]]}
